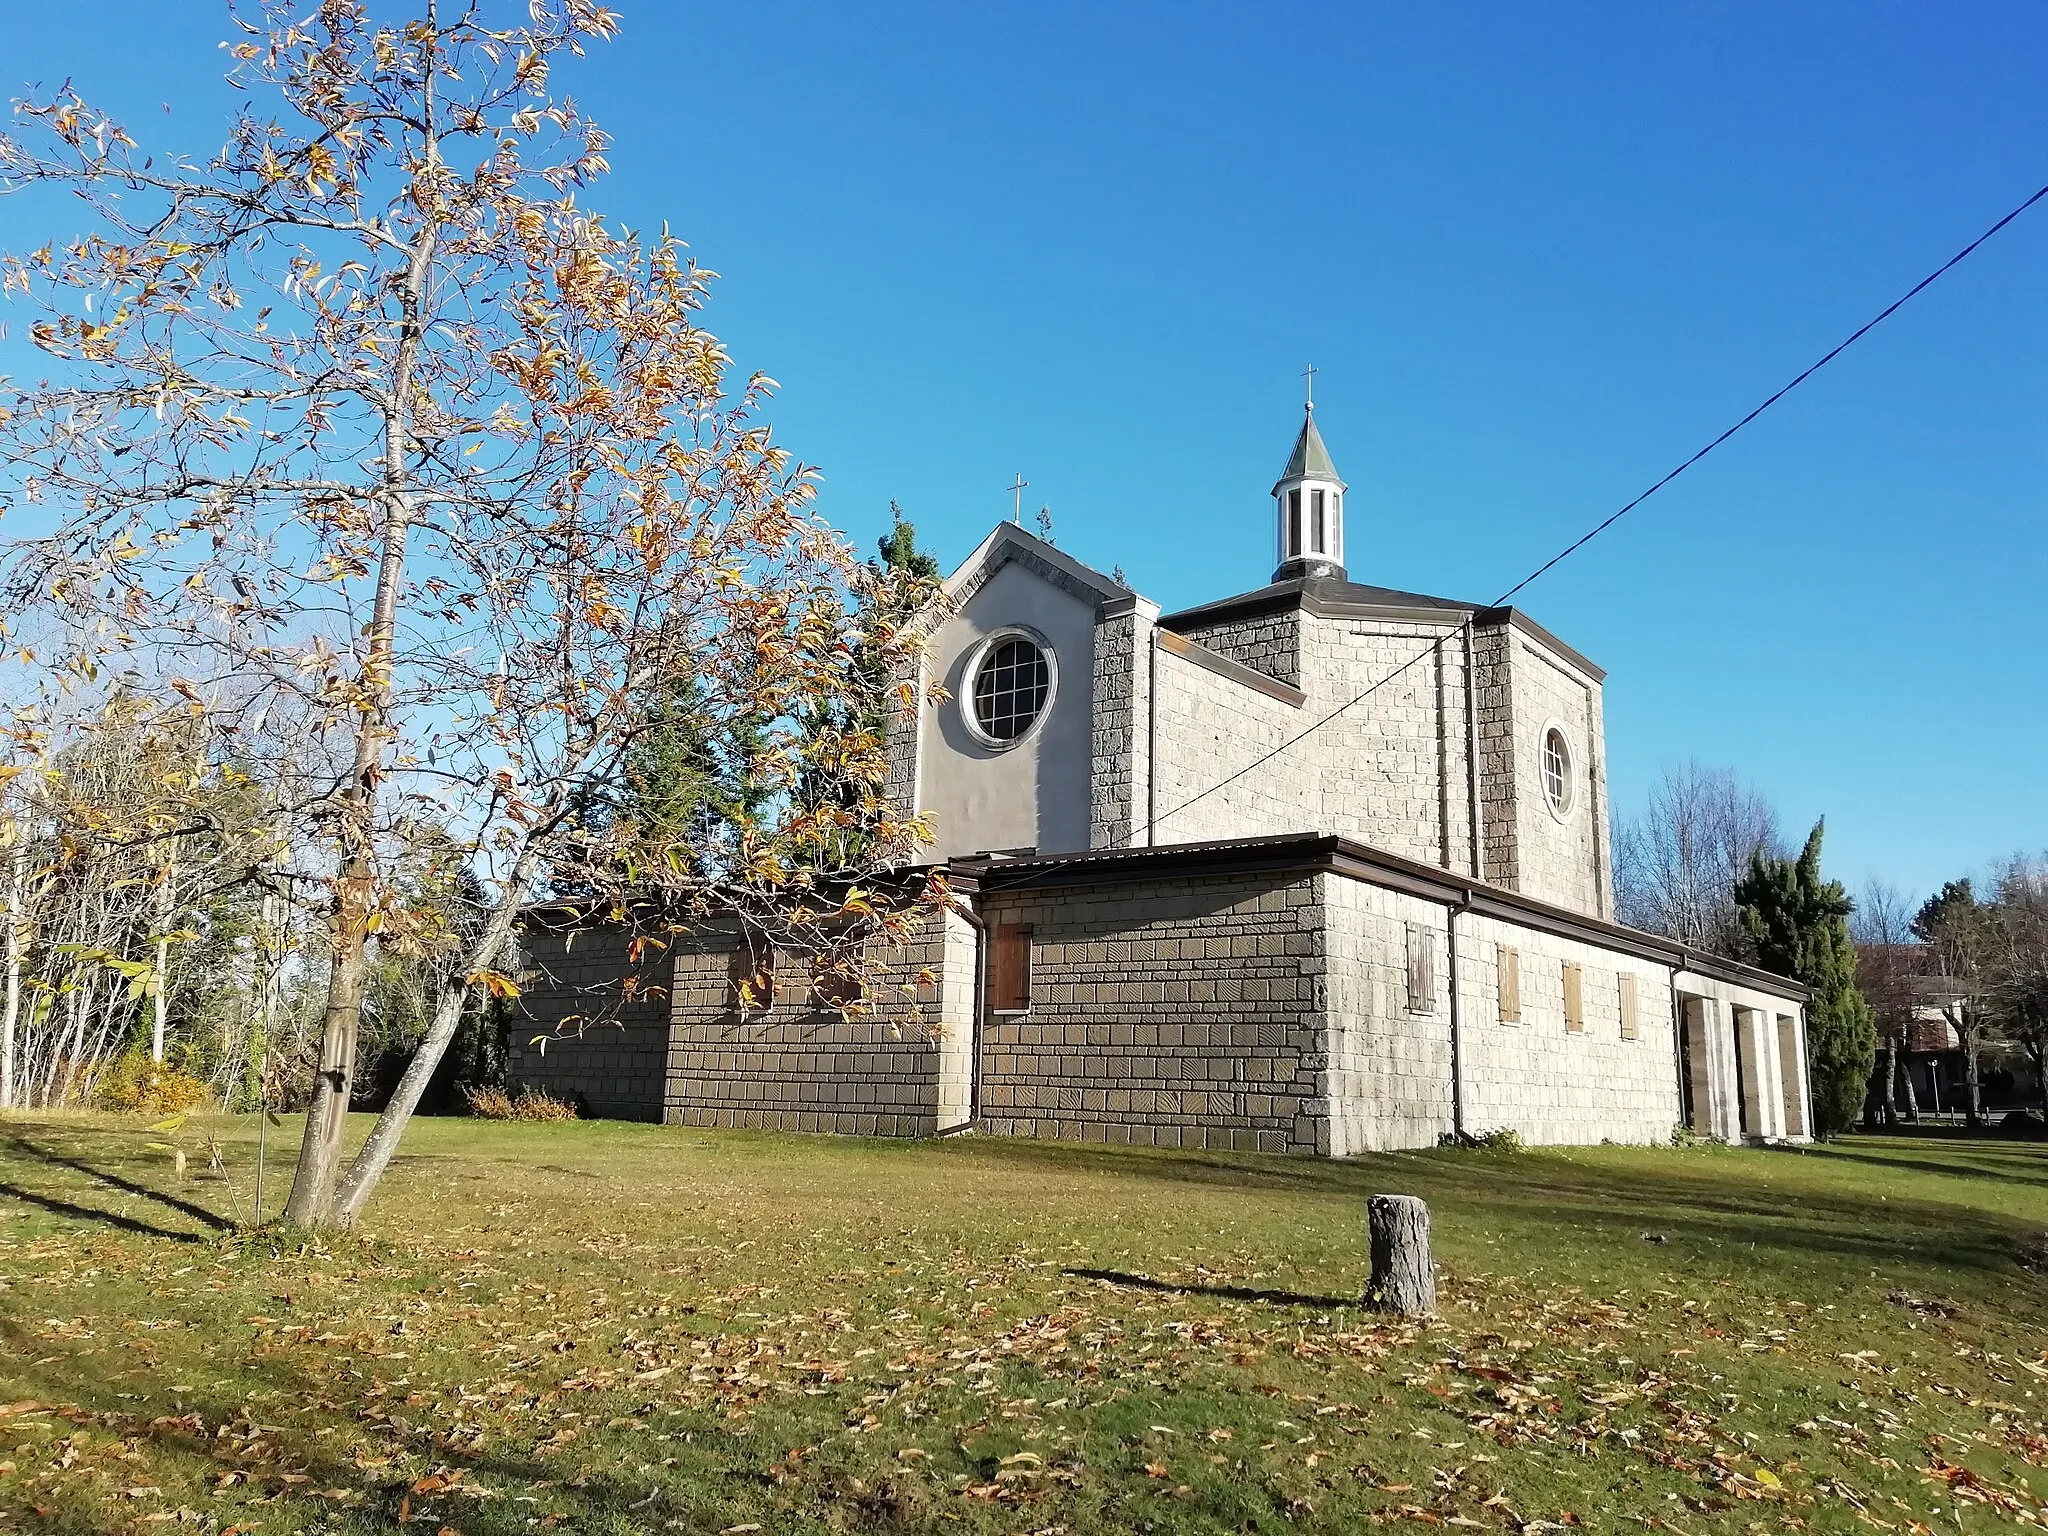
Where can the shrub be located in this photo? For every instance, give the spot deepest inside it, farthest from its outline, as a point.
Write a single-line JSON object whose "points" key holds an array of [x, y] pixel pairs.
{"points": [[135, 1085], [1501, 1139], [531, 1104]]}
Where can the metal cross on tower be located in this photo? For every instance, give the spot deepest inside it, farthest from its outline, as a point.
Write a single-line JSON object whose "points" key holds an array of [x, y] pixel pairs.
{"points": [[1308, 386], [1017, 504]]}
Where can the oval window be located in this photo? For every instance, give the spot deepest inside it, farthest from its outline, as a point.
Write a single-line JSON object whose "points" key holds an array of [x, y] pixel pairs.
{"points": [[1557, 771]]}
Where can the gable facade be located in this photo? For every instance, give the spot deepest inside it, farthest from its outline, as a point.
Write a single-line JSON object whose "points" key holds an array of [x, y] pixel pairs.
{"points": [[1408, 723]]}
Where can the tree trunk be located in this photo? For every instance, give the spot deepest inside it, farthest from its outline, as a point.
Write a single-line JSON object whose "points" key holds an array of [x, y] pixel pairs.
{"points": [[1887, 1093], [312, 1198], [312, 1195], [10, 1009], [1973, 1092], [161, 975], [1909, 1093], [1403, 1277], [375, 1157]]}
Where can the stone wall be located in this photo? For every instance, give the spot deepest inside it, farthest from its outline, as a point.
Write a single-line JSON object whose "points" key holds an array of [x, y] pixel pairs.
{"points": [[1303, 1010], [796, 1065], [1208, 729], [1266, 642], [1122, 770], [591, 1027], [1176, 1014], [1389, 1077], [1550, 1083], [1391, 769], [1492, 650], [1391, 1060], [1559, 859]]}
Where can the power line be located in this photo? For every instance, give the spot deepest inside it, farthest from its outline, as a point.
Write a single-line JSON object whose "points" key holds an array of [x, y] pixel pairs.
{"points": [[1601, 527]]}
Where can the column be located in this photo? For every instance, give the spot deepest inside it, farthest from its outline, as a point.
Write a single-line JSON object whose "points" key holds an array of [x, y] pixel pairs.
{"points": [[1120, 778]]}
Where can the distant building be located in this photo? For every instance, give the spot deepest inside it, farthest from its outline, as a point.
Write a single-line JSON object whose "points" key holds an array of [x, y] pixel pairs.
{"points": [[1322, 867], [1913, 1002]]}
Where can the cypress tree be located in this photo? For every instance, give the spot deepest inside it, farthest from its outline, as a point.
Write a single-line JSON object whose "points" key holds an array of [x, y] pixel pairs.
{"points": [[1801, 926]]}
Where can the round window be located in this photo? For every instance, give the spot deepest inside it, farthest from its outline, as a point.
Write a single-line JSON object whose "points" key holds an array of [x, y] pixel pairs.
{"points": [[1012, 685], [1557, 771]]}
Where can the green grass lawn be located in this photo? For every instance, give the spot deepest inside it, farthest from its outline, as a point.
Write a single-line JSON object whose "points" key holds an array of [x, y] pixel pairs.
{"points": [[614, 1328]]}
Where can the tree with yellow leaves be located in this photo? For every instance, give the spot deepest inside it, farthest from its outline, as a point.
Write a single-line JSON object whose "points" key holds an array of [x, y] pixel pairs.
{"points": [[366, 422]]}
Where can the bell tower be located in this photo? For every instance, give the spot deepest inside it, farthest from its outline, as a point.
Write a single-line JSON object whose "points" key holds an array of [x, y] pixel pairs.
{"points": [[1308, 503]]}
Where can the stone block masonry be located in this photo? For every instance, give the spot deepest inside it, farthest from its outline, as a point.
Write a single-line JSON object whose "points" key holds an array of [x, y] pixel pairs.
{"points": [[593, 1025], [798, 1065], [1172, 1015], [1292, 994]]}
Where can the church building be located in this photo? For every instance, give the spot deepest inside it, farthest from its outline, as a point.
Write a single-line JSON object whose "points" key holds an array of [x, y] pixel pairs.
{"points": [[1322, 867]]}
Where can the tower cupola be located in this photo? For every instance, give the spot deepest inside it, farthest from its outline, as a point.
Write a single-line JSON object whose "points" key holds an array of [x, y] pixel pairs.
{"points": [[1308, 501]]}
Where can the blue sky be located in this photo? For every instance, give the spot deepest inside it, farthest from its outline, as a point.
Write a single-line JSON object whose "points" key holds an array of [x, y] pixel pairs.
{"points": [[1539, 254]]}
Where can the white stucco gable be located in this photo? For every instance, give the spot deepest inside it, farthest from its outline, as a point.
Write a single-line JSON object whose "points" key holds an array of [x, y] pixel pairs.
{"points": [[1030, 791]]}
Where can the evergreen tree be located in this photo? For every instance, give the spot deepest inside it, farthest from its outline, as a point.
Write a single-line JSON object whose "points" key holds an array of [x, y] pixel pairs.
{"points": [[909, 576], [899, 552], [1801, 926]]}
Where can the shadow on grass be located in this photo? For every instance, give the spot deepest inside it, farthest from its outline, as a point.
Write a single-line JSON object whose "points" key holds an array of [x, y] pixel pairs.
{"points": [[1730, 1210], [113, 1219], [1227, 1292], [44, 1153], [1957, 1169], [206, 1436]]}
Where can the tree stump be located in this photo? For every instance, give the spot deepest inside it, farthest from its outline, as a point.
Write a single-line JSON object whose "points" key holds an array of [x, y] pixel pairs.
{"points": [[1403, 1277]]}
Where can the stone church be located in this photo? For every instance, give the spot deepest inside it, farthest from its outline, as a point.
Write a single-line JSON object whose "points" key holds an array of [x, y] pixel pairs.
{"points": [[1322, 867]]}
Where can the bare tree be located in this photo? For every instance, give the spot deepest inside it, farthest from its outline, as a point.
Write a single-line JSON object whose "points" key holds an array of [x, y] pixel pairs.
{"points": [[1960, 934], [1676, 862], [2019, 962], [1882, 927]]}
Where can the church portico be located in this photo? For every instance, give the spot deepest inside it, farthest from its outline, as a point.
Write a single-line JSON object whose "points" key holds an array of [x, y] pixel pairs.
{"points": [[1743, 1061], [1319, 868]]}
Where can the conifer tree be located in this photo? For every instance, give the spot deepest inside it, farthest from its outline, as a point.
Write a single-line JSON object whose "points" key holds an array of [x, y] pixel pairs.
{"points": [[899, 549], [1801, 926]]}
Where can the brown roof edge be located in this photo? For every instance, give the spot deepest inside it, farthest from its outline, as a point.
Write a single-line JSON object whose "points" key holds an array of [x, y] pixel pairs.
{"points": [[1310, 853], [568, 912]]}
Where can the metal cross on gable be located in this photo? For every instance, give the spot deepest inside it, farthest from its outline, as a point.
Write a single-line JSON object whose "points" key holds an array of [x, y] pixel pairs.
{"points": [[1308, 386], [1017, 505]]}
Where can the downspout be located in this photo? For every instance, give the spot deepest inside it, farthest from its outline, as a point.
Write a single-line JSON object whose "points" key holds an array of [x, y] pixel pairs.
{"points": [[1678, 1044], [1457, 1021], [980, 927], [1472, 759]]}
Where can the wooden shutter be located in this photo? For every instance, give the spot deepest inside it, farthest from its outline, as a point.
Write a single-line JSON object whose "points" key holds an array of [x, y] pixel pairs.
{"points": [[1421, 970], [1009, 978], [1628, 1007], [1510, 986], [1574, 998]]}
